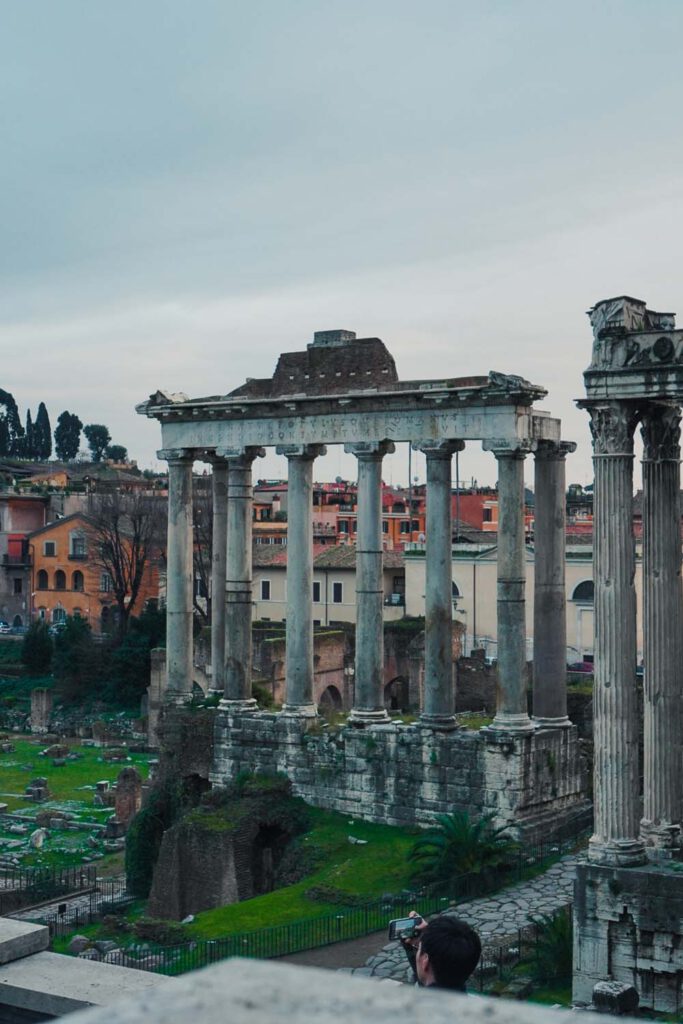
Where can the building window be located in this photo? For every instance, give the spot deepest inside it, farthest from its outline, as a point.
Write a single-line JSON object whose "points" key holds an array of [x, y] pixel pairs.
{"points": [[584, 592], [77, 547], [200, 588], [49, 548], [77, 582], [455, 590], [41, 614], [337, 593], [385, 526], [42, 579], [405, 526], [265, 590], [60, 580], [58, 614], [343, 526], [106, 582], [17, 585], [487, 515], [316, 591]]}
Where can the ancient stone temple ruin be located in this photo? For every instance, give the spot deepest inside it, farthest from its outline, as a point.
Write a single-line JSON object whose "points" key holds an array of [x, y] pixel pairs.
{"points": [[629, 898], [345, 390]]}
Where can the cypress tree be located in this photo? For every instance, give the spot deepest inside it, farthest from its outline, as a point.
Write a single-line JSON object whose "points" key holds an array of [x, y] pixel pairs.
{"points": [[43, 434]]}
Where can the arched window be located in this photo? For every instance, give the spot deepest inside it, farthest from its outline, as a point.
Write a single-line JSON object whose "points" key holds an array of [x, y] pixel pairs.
{"points": [[58, 614], [42, 579], [60, 580], [455, 590], [584, 592], [77, 581]]}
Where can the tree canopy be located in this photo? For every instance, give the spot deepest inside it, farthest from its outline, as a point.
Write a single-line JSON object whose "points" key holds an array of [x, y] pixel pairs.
{"points": [[98, 437], [67, 436]]}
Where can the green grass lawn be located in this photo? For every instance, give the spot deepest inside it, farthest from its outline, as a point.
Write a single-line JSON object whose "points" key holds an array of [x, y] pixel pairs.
{"points": [[69, 786]]}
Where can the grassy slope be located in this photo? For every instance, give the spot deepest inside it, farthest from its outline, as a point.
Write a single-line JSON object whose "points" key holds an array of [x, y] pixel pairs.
{"points": [[370, 871]]}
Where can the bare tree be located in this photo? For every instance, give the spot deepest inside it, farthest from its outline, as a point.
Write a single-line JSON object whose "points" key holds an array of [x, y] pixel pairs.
{"points": [[127, 533]]}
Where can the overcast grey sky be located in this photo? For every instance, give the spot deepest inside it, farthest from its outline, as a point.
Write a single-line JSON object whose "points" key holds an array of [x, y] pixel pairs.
{"points": [[189, 188]]}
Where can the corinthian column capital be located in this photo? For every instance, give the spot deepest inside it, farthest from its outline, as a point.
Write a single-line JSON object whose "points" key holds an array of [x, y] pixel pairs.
{"points": [[661, 433], [612, 425]]}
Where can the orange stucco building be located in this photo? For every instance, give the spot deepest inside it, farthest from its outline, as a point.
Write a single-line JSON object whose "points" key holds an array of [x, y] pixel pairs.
{"points": [[67, 578]]}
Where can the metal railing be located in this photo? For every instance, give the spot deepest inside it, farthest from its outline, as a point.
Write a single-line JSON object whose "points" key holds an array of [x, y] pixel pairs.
{"points": [[22, 888], [349, 922]]}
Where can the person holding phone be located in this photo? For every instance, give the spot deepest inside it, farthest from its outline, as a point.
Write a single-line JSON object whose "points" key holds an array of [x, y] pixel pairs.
{"points": [[443, 952]]}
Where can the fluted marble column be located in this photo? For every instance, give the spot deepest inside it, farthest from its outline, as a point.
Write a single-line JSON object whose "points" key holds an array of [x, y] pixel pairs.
{"points": [[616, 794], [368, 704], [219, 541], [663, 623], [438, 711], [299, 650], [512, 710], [238, 583], [550, 601], [179, 576]]}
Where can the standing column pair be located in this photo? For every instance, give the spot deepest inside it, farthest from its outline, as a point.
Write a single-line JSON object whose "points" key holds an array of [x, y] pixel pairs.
{"points": [[550, 600], [179, 576], [238, 579], [438, 710], [299, 639], [662, 626], [511, 709], [368, 704]]}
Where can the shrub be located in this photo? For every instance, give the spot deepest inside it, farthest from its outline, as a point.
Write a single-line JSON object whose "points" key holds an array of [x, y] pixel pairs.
{"points": [[36, 650], [456, 846], [552, 958], [143, 839]]}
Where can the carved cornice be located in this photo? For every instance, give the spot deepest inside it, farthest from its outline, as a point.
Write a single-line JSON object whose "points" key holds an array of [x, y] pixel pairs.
{"points": [[553, 451], [301, 451], [438, 449], [175, 455], [661, 433], [244, 456], [612, 425], [370, 449]]}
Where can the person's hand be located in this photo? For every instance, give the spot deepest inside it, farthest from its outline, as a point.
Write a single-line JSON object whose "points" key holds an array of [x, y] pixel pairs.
{"points": [[419, 928]]}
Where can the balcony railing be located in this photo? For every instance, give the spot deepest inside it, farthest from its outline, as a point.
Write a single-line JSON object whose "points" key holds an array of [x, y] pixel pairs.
{"points": [[17, 560], [395, 600], [78, 556]]}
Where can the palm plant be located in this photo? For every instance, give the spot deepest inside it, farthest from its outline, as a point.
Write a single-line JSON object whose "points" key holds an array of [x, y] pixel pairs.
{"points": [[551, 959], [457, 846]]}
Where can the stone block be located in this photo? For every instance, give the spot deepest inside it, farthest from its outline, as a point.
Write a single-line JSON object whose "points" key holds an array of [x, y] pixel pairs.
{"points": [[20, 939], [615, 997]]}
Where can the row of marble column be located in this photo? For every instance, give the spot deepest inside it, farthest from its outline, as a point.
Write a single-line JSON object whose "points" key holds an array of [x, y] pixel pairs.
{"points": [[624, 834], [231, 648]]}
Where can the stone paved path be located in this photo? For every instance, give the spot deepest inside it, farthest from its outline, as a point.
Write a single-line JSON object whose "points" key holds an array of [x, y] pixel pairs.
{"points": [[114, 890], [495, 917]]}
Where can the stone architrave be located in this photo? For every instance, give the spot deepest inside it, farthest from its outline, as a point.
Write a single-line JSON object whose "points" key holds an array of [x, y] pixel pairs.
{"points": [[219, 543], [179, 576], [615, 702], [550, 601], [438, 711], [299, 650], [511, 713], [368, 705], [662, 628], [238, 583]]}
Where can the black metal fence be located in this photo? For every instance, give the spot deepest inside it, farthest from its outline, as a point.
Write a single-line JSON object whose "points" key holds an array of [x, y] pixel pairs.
{"points": [[349, 922], [21, 888]]}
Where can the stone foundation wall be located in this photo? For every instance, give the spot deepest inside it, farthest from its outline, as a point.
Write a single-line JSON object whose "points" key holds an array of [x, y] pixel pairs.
{"points": [[405, 775], [628, 927]]}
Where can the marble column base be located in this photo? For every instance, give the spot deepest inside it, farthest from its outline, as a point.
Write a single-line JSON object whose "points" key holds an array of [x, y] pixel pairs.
{"points": [[439, 723], [618, 853], [359, 716], [300, 710], [238, 707], [551, 723], [177, 698], [512, 723], [661, 841]]}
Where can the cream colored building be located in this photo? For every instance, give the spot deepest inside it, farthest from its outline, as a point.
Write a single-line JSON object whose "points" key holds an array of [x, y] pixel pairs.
{"points": [[474, 574], [334, 584]]}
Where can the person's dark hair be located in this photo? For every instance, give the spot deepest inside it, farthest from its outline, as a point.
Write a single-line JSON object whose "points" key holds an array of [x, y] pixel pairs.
{"points": [[453, 949]]}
